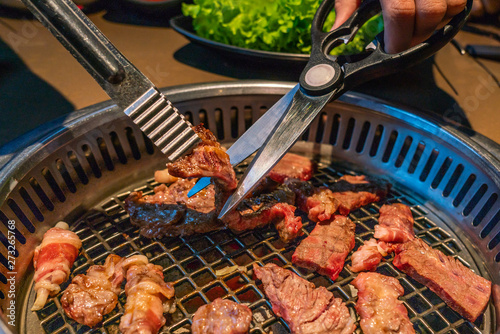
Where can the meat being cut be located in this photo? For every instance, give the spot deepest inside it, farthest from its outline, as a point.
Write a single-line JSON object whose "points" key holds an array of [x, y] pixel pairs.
{"points": [[395, 224], [292, 166], [89, 297], [208, 159], [345, 195], [274, 207], [368, 256], [147, 296], [378, 305], [327, 247], [53, 260], [222, 317], [459, 287], [169, 212], [305, 308]]}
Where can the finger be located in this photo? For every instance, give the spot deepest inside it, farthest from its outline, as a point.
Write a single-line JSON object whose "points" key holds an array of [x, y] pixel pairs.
{"points": [[344, 9], [477, 8], [429, 14], [454, 7], [399, 21]]}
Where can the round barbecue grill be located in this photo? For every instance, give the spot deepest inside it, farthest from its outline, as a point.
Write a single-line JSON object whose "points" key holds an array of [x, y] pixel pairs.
{"points": [[81, 169]]}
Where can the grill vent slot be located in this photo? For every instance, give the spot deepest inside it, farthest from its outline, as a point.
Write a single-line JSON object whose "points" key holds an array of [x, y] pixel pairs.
{"points": [[150, 147], [41, 194], [106, 156], [485, 209], [20, 214], [132, 143], [494, 242], [441, 173], [428, 166], [188, 116], [379, 131], [247, 116], [474, 200], [53, 184], [65, 175], [320, 132], [3, 240], [453, 180], [390, 146], [120, 153], [78, 167], [29, 202], [489, 227], [234, 119], [91, 160], [362, 137], [416, 157], [3, 279], [465, 188], [348, 134], [335, 130], [404, 151]]}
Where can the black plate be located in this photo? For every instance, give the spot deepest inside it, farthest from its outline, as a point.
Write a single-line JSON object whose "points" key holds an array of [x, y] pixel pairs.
{"points": [[184, 25]]}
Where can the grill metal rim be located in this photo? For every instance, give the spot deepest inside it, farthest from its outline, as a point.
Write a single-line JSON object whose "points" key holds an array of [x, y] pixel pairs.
{"points": [[424, 128]]}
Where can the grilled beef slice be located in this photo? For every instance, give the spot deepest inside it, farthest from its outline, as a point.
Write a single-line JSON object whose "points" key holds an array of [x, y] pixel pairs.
{"points": [[292, 166], [222, 316], [395, 224]]}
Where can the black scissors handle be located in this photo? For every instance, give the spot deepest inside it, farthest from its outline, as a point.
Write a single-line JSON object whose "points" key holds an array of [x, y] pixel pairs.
{"points": [[323, 72]]}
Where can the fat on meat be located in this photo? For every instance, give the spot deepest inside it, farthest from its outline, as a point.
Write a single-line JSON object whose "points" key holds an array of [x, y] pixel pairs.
{"points": [[368, 256], [395, 224]]}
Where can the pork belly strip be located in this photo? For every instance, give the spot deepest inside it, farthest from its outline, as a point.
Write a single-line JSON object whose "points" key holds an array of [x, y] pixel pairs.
{"points": [[266, 208], [368, 256], [459, 287], [222, 317], [208, 159], [169, 212], [345, 195], [52, 261], [305, 308], [327, 247], [378, 305], [395, 224], [89, 297], [147, 296], [292, 166]]}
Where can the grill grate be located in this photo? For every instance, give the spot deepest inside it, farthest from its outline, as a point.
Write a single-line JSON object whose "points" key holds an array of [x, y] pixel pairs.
{"points": [[190, 263]]}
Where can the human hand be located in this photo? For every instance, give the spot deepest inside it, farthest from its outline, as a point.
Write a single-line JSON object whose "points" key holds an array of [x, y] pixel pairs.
{"points": [[482, 7], [406, 22]]}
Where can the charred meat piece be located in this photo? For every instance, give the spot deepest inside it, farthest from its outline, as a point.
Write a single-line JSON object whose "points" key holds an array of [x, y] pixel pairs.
{"points": [[460, 288], [275, 207], [89, 297], [327, 247], [169, 212], [222, 317], [345, 195], [147, 296], [292, 166], [378, 305], [368, 256], [395, 224], [208, 159], [306, 309], [53, 260]]}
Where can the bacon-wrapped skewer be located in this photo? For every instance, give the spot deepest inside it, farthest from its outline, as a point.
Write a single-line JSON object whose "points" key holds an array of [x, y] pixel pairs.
{"points": [[147, 297], [89, 297], [53, 260]]}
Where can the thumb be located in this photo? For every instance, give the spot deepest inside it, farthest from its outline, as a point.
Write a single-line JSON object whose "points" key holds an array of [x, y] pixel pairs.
{"points": [[344, 9]]}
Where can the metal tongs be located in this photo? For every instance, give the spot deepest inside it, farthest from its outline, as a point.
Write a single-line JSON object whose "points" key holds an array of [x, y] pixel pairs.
{"points": [[325, 78], [125, 84]]}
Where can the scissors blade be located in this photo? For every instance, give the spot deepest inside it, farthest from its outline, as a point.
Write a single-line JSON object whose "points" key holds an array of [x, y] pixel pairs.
{"points": [[253, 138], [299, 114]]}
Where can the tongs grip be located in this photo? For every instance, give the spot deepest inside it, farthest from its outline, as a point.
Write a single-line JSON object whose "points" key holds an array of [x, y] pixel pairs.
{"points": [[75, 31]]}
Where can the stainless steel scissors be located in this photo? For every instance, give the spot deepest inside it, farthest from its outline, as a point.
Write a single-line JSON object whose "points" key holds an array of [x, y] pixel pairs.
{"points": [[323, 79]]}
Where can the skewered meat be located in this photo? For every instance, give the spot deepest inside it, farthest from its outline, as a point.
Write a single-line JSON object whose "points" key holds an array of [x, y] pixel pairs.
{"points": [[327, 247], [368, 256], [345, 195], [306, 309], [147, 296], [274, 207], [292, 166], [378, 306], [89, 297], [222, 317], [53, 260], [209, 159], [395, 224], [169, 212], [460, 288]]}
